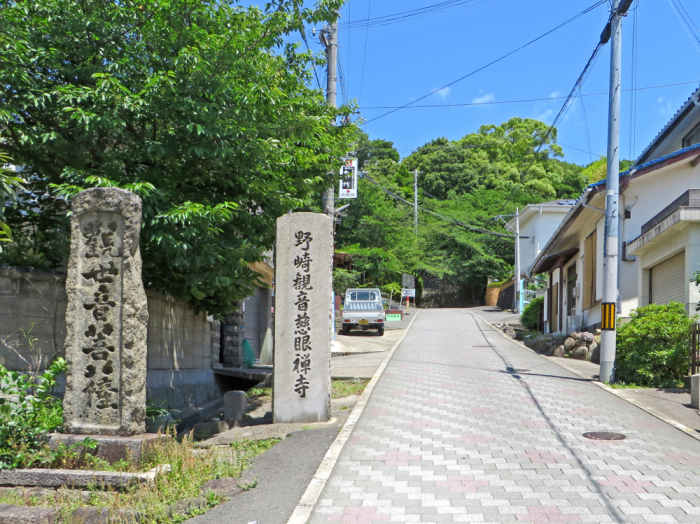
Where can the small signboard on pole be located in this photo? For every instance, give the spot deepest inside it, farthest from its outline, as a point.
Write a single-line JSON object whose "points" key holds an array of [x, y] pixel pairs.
{"points": [[348, 179], [408, 293], [408, 281]]}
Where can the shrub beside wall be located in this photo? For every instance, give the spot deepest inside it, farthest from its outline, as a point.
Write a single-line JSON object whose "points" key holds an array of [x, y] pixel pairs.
{"points": [[652, 348], [532, 313]]}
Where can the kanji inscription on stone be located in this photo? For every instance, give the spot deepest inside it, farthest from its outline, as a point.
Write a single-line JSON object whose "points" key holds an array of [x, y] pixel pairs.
{"points": [[107, 316], [303, 313]]}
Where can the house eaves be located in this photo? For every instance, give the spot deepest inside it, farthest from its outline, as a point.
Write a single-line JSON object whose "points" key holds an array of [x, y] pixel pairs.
{"points": [[597, 187], [651, 166], [680, 115]]}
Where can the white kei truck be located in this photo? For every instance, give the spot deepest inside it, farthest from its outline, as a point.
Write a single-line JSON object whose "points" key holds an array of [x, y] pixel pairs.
{"points": [[363, 309]]}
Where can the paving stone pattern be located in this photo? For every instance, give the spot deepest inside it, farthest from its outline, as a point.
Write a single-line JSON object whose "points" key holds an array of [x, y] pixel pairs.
{"points": [[466, 426]]}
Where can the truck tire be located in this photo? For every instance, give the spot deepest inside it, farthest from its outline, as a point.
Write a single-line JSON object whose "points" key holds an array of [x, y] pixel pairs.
{"points": [[346, 329], [380, 330]]}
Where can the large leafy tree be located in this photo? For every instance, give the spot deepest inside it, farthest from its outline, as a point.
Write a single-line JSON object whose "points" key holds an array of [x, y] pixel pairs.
{"points": [[198, 106], [519, 155], [463, 185]]}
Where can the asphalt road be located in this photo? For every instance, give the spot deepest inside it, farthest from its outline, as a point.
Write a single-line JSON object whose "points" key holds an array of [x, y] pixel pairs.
{"points": [[283, 473]]}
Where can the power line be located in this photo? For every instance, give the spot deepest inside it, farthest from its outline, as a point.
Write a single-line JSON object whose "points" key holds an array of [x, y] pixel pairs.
{"points": [[585, 117], [686, 24], [544, 99], [474, 229], [582, 13], [403, 16], [364, 54]]}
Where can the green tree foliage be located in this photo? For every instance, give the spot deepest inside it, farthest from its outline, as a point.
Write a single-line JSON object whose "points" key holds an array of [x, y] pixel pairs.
{"points": [[519, 155], [598, 170], [470, 180], [8, 185], [197, 106], [343, 280], [372, 150], [652, 348], [533, 313]]}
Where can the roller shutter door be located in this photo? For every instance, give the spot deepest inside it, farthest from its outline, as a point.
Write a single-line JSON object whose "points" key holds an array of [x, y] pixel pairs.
{"points": [[668, 281], [251, 317]]}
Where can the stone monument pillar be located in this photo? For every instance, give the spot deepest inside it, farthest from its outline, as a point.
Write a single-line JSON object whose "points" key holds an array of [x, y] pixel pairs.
{"points": [[303, 313], [107, 317]]}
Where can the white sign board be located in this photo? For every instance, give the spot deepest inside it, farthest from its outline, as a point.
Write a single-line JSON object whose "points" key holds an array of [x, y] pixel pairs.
{"points": [[348, 179], [411, 293]]}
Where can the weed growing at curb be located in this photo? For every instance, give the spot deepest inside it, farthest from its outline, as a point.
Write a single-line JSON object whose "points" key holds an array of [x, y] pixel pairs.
{"points": [[152, 502], [345, 387]]}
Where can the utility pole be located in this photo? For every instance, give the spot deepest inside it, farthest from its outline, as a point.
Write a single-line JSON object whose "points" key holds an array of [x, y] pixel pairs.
{"points": [[329, 37], [608, 338], [516, 298], [415, 202]]}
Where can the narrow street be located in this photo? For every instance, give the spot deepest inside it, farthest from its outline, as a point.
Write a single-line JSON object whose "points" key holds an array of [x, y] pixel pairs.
{"points": [[467, 426]]}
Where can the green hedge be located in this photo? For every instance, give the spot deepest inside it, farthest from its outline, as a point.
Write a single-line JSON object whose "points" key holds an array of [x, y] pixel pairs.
{"points": [[532, 314], [652, 348]]}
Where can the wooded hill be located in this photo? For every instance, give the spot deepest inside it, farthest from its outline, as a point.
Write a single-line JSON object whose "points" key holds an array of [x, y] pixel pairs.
{"points": [[463, 185]]}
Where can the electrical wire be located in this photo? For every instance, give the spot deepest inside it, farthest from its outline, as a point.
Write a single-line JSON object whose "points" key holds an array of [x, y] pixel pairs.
{"points": [[633, 78], [413, 14], [474, 229], [364, 54], [579, 83], [545, 99], [579, 15], [686, 25], [585, 117], [303, 36]]}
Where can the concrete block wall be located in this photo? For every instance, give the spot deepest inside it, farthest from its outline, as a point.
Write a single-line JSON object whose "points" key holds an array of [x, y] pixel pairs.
{"points": [[181, 350], [182, 345], [32, 317]]}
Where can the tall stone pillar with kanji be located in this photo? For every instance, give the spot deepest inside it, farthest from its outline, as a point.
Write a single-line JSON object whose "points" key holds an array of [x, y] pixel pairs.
{"points": [[107, 317], [303, 315]]}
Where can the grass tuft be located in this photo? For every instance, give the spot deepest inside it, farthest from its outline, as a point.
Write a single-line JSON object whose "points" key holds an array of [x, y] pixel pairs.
{"points": [[190, 469], [345, 387]]}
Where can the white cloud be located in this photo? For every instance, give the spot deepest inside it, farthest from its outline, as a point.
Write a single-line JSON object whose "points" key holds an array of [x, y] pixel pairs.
{"points": [[542, 117], [554, 94], [443, 92], [665, 109], [484, 99]]}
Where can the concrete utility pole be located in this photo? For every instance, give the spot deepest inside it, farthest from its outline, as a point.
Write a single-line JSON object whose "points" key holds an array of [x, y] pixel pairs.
{"points": [[415, 202], [608, 339], [516, 298], [329, 37]]}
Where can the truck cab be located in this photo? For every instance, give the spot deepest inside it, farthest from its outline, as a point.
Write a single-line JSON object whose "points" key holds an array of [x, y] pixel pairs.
{"points": [[363, 310]]}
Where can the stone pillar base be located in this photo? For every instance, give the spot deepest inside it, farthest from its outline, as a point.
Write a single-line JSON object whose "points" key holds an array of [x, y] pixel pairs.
{"points": [[112, 449]]}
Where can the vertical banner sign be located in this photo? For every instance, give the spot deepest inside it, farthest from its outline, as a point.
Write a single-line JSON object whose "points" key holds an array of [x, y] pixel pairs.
{"points": [[348, 179], [303, 316]]}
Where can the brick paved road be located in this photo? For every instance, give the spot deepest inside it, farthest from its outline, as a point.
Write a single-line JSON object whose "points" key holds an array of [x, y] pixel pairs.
{"points": [[465, 426]]}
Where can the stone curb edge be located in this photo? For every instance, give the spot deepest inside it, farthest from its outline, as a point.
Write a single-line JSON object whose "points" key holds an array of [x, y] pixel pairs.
{"points": [[685, 429], [310, 497]]}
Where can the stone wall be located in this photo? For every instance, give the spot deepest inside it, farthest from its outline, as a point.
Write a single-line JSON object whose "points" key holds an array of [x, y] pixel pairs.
{"points": [[182, 345]]}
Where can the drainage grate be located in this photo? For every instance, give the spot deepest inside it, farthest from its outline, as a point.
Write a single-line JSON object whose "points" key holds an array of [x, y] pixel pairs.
{"points": [[604, 435]]}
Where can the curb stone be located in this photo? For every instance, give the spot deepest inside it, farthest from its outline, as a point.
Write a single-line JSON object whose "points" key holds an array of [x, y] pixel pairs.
{"points": [[310, 497], [681, 427]]}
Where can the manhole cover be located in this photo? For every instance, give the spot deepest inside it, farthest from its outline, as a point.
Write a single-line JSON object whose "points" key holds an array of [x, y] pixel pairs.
{"points": [[604, 435]]}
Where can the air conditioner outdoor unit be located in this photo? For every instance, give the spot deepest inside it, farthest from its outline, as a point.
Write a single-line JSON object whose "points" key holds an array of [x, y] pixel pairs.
{"points": [[577, 292], [573, 323]]}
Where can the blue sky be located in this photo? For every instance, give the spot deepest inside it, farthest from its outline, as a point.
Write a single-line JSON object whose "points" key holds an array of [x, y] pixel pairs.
{"points": [[406, 60]]}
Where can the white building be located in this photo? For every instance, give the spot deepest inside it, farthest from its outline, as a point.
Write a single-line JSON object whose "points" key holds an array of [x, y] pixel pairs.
{"points": [[659, 227], [538, 222]]}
